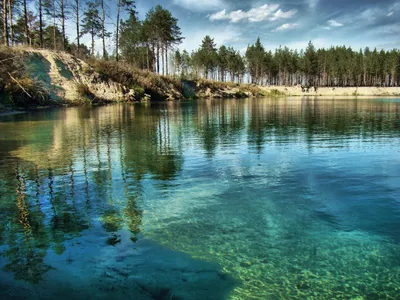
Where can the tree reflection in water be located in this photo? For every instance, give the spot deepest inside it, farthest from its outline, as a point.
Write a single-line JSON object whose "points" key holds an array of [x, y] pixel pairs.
{"points": [[67, 172]]}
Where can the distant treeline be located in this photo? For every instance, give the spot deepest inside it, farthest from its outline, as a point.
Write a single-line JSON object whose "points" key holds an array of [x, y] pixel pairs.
{"points": [[336, 66], [151, 44]]}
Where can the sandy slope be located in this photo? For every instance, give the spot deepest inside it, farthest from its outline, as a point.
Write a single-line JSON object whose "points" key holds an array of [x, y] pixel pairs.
{"points": [[347, 91], [61, 72]]}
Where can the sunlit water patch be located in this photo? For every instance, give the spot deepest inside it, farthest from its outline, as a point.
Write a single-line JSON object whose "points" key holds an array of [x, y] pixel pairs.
{"points": [[222, 199]]}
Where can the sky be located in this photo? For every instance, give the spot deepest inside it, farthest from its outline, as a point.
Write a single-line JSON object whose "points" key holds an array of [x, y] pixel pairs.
{"points": [[292, 23]]}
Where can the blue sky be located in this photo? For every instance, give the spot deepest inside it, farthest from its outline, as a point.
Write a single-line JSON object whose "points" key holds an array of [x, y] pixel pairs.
{"points": [[292, 23]]}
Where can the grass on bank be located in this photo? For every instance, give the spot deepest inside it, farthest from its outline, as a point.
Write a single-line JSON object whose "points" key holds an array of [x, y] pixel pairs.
{"points": [[143, 82], [17, 88]]}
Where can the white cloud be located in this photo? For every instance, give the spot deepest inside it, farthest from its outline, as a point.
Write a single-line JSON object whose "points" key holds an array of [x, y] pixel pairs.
{"points": [[286, 26], [390, 14], [334, 23], [279, 14], [265, 12], [199, 5]]}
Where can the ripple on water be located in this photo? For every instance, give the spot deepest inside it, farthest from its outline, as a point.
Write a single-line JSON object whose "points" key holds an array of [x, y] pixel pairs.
{"points": [[231, 199]]}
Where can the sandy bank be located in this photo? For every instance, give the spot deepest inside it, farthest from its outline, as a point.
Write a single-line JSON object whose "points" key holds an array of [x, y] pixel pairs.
{"points": [[336, 91]]}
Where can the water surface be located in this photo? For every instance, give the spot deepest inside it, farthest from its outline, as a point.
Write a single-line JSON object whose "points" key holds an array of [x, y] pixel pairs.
{"points": [[221, 199]]}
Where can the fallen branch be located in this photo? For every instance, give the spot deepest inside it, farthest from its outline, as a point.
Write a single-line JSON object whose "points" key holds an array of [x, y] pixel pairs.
{"points": [[13, 79]]}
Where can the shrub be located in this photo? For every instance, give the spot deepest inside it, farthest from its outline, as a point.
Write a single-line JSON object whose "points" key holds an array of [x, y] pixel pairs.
{"points": [[84, 94], [139, 92], [17, 87], [153, 84], [82, 89]]}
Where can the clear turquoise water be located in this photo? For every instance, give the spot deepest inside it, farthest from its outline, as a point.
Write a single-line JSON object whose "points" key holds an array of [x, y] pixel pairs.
{"points": [[222, 199]]}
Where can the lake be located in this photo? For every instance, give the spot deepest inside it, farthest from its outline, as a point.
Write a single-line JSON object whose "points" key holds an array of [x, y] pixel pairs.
{"points": [[210, 199]]}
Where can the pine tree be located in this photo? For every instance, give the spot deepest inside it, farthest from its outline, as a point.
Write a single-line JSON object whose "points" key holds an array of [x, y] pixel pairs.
{"points": [[91, 23], [222, 62], [122, 4], [162, 31], [208, 55], [130, 39], [311, 64], [255, 58]]}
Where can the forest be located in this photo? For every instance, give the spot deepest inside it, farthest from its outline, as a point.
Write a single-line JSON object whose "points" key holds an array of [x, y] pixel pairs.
{"points": [[153, 44]]}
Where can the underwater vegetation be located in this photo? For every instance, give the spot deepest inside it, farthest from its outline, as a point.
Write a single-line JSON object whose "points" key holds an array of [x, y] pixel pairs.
{"points": [[237, 199]]}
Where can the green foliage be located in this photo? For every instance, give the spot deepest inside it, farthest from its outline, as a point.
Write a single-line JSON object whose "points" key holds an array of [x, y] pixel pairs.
{"points": [[140, 92], [91, 23], [207, 55], [131, 41], [255, 60], [207, 60]]}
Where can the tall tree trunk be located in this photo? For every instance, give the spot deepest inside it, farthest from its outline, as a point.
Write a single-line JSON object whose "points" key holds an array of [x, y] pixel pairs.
{"points": [[153, 58], [54, 26], [10, 19], [92, 33], [5, 24], [117, 31], [62, 7], [158, 58], [147, 54], [77, 24], [41, 23], [162, 59], [103, 29], [26, 22], [166, 59]]}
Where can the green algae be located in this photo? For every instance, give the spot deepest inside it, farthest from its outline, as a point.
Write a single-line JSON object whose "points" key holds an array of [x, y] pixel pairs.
{"points": [[317, 264]]}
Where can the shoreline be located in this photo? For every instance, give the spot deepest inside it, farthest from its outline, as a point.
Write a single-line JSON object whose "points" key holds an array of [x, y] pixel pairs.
{"points": [[335, 91], [12, 113], [286, 93]]}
